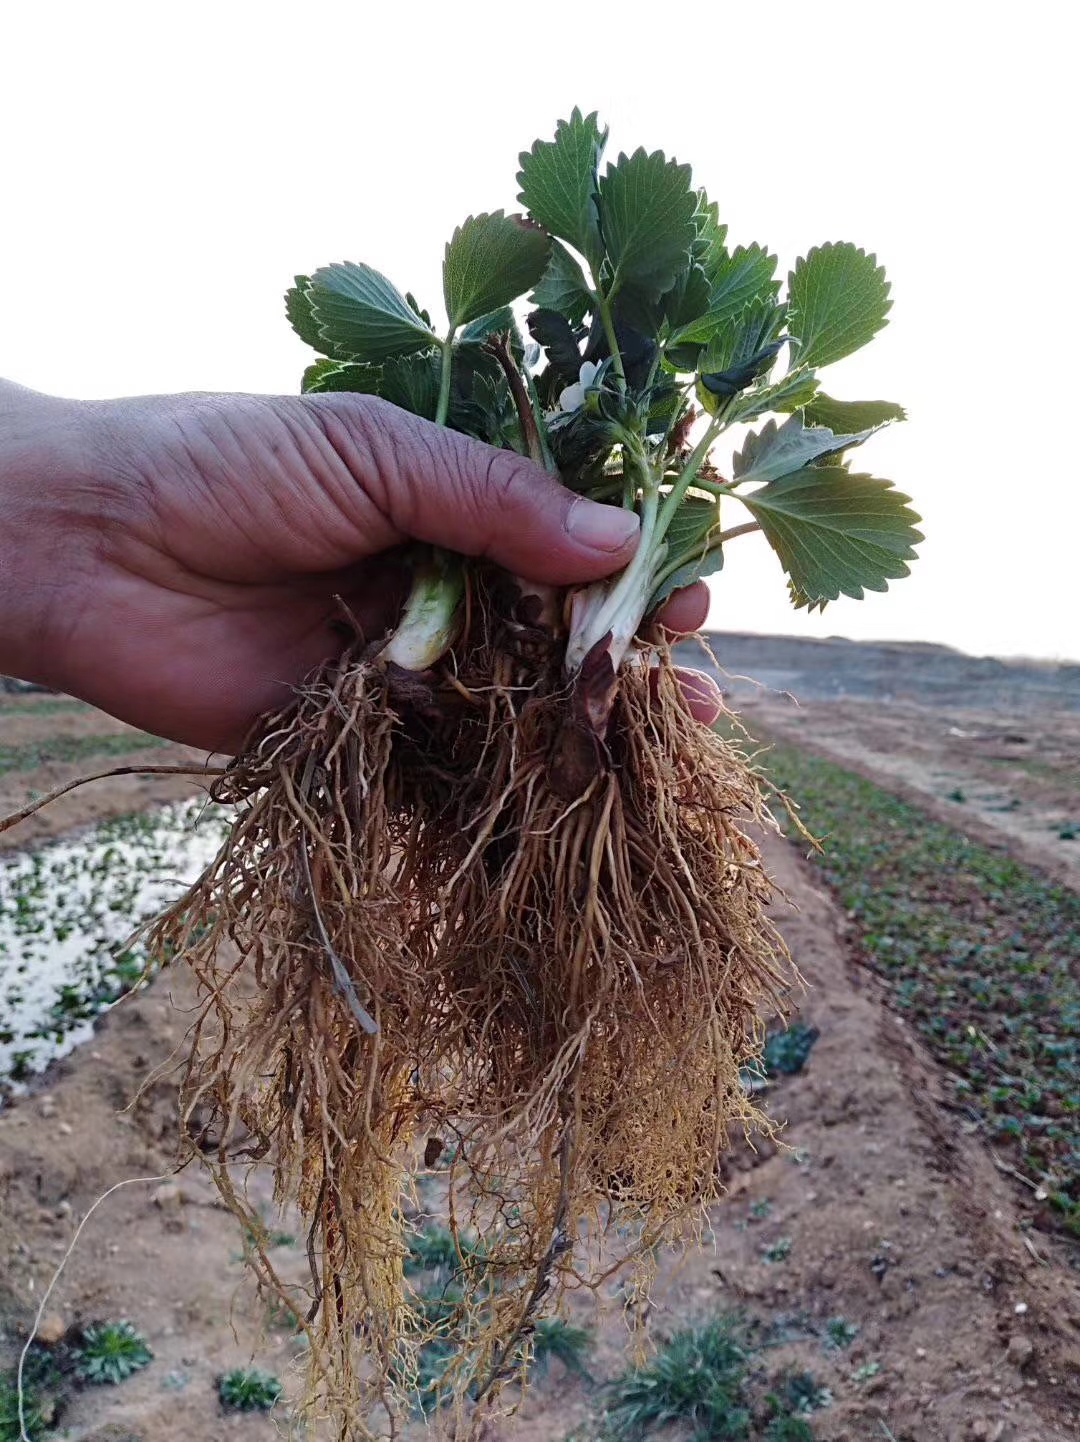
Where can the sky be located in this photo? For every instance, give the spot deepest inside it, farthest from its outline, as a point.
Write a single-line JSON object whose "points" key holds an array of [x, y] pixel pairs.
{"points": [[168, 168]]}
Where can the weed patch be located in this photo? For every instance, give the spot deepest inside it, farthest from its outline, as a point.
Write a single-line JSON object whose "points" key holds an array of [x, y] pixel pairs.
{"points": [[708, 1378], [247, 1389], [569, 1344], [34, 1414], [777, 1251], [110, 1352], [839, 1333]]}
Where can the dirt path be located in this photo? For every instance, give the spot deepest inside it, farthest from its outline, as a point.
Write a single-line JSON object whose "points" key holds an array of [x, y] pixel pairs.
{"points": [[894, 1220]]}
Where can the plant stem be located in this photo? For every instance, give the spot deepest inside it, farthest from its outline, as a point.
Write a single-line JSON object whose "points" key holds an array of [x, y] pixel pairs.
{"points": [[614, 609], [743, 530], [721, 539], [522, 396], [687, 476], [429, 622], [676, 416], [714, 488], [444, 379], [608, 323]]}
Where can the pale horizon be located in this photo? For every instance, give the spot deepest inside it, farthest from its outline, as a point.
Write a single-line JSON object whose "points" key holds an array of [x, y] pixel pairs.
{"points": [[175, 169]]}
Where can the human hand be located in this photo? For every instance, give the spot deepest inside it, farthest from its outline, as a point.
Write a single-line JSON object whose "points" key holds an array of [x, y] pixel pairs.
{"points": [[175, 559]]}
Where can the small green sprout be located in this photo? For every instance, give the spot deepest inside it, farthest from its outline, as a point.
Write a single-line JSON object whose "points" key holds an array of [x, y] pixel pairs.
{"points": [[786, 1051], [109, 1353], [801, 1393], [434, 1250], [777, 1251], [698, 1377], [554, 1337], [33, 1415], [247, 1389], [788, 1429], [839, 1333]]}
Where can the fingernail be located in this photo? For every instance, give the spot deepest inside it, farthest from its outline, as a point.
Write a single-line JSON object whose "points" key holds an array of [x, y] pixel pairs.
{"points": [[604, 528]]}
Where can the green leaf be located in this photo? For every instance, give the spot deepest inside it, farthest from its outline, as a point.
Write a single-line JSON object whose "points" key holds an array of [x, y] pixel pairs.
{"points": [[790, 393], [362, 316], [490, 260], [743, 349], [332, 375], [690, 541], [415, 305], [563, 287], [495, 322], [736, 278], [851, 415], [836, 533], [558, 183], [682, 358], [647, 210], [741, 275], [300, 315], [778, 451], [688, 298], [838, 299], [555, 333], [708, 245], [412, 382]]}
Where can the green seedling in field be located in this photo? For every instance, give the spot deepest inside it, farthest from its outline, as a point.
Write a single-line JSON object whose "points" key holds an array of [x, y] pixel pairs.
{"points": [[839, 1333], [109, 1352], [704, 1379], [553, 1337], [788, 1429], [282, 1316], [786, 1051], [434, 1250], [699, 1378], [982, 955], [247, 1389], [800, 1392], [777, 1251], [34, 1417]]}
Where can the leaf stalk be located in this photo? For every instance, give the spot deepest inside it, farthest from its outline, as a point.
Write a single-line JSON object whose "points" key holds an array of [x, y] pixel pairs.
{"points": [[443, 408]]}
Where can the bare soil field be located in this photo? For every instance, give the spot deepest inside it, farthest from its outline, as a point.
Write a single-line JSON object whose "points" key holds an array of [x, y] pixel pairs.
{"points": [[885, 1249]]}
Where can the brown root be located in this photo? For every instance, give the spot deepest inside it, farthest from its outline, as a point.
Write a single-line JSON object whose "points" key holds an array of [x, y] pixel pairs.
{"points": [[622, 953], [413, 935], [301, 1053]]}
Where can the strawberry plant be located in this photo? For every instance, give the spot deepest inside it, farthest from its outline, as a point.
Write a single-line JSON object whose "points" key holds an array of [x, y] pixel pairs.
{"points": [[109, 1352], [492, 871]]}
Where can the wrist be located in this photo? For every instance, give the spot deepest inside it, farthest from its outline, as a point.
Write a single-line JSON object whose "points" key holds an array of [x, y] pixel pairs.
{"points": [[45, 549]]}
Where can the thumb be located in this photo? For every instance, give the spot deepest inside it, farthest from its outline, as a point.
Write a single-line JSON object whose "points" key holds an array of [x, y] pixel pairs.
{"points": [[435, 485]]}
